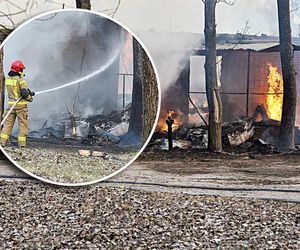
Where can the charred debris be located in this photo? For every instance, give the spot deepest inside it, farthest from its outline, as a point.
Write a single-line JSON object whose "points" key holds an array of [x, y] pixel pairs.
{"points": [[94, 130], [258, 133]]}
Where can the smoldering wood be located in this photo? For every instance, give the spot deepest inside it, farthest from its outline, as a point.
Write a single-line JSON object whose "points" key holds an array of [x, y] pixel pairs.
{"points": [[260, 109], [115, 116], [287, 127], [93, 130], [101, 132], [238, 137], [242, 135]]}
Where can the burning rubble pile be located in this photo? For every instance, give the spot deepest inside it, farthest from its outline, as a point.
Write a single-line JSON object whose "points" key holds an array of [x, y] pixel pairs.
{"points": [[244, 134], [92, 130], [258, 132]]}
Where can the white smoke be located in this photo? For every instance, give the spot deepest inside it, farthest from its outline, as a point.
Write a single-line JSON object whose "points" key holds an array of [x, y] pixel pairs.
{"points": [[169, 52], [68, 52]]}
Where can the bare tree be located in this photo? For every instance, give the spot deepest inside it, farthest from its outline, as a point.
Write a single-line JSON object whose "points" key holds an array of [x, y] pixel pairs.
{"points": [[287, 127], [136, 113], [20, 8], [144, 95], [150, 95], [83, 4], [212, 89]]}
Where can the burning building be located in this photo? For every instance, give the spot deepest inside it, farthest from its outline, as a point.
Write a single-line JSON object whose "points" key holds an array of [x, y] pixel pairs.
{"points": [[249, 73], [250, 80]]}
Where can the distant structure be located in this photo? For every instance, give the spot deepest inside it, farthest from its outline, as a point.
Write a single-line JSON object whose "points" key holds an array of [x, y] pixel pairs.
{"points": [[244, 61]]}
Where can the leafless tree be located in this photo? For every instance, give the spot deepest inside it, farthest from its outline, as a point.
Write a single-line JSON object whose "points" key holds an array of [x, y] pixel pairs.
{"points": [[136, 113], [11, 16], [212, 88], [144, 95], [287, 127]]}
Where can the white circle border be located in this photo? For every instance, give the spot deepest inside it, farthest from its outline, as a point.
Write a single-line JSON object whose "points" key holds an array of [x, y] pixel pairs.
{"points": [[158, 107]]}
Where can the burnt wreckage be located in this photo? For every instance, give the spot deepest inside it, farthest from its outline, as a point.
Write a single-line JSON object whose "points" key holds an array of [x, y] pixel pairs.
{"points": [[251, 90], [94, 129]]}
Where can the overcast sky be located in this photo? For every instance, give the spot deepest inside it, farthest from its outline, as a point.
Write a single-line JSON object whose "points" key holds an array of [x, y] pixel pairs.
{"points": [[174, 15]]}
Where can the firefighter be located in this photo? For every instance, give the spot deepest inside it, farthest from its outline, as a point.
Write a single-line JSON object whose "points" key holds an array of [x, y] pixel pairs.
{"points": [[16, 87]]}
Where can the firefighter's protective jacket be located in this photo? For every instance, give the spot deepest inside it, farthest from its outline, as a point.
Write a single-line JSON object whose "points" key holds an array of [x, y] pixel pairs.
{"points": [[15, 85]]}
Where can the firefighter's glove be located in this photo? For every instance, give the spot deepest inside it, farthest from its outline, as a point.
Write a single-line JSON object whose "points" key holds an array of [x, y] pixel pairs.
{"points": [[31, 92]]}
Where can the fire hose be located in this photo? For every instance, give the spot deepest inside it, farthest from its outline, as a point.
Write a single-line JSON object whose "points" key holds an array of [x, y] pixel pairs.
{"points": [[9, 111], [85, 78]]}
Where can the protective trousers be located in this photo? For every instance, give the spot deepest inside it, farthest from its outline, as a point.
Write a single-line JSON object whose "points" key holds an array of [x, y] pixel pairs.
{"points": [[22, 114]]}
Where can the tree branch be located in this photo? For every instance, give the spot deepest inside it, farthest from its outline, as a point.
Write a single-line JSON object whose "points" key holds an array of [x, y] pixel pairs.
{"points": [[295, 9], [226, 2], [116, 9], [202, 118], [245, 31]]}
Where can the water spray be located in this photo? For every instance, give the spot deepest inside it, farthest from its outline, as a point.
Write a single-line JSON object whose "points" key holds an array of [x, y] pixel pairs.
{"points": [[83, 79]]}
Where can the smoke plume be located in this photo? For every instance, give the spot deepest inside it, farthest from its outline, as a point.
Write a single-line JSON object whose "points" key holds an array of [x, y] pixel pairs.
{"points": [[61, 48]]}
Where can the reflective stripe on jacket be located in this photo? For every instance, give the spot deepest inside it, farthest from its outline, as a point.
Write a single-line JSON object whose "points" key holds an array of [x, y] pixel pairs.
{"points": [[14, 84]]}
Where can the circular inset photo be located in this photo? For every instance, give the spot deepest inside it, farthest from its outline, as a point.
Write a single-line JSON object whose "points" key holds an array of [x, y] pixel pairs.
{"points": [[80, 97]]}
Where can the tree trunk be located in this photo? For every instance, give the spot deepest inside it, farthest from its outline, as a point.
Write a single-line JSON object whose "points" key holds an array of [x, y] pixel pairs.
{"points": [[83, 4], [150, 95], [212, 89], [136, 113], [287, 126], [144, 95], [1, 85]]}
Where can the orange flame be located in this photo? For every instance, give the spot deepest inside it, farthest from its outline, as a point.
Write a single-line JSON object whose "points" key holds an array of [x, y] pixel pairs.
{"points": [[162, 125], [275, 94]]}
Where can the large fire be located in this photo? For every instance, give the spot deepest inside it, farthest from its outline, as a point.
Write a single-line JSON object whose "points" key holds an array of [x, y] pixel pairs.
{"points": [[275, 94], [162, 125]]}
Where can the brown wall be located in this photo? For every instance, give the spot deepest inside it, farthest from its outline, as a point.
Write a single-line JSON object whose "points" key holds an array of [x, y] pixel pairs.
{"points": [[234, 80]]}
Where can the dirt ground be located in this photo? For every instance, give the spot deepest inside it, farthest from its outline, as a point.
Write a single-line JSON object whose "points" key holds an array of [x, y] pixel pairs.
{"points": [[158, 203], [63, 164], [38, 216], [264, 176], [265, 168]]}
